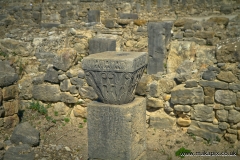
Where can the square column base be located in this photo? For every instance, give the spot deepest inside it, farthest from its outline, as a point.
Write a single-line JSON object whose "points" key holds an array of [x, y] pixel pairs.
{"points": [[117, 131]]}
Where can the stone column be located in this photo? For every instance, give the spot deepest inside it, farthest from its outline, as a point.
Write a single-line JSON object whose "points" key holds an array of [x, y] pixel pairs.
{"points": [[116, 123], [159, 35]]}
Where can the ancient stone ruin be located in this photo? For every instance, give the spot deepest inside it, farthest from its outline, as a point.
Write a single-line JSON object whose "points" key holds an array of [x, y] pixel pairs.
{"points": [[71, 56]]}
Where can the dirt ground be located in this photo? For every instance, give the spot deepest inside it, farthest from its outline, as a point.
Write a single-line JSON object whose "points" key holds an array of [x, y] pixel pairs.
{"points": [[68, 140]]}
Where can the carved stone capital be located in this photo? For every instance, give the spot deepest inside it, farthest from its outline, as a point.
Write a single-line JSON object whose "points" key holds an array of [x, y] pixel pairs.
{"points": [[115, 75]]}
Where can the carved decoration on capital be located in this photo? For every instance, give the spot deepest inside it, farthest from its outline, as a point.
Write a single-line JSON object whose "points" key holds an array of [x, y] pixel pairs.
{"points": [[114, 87]]}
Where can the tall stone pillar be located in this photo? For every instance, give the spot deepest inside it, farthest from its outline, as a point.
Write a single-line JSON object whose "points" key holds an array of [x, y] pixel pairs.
{"points": [[116, 123], [159, 36]]}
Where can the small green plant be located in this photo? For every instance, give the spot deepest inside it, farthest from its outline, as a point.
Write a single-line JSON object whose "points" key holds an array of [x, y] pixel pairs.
{"points": [[49, 118], [80, 126], [79, 102], [56, 113], [38, 107], [3, 54], [193, 136], [85, 120], [182, 151], [218, 139], [66, 120]]}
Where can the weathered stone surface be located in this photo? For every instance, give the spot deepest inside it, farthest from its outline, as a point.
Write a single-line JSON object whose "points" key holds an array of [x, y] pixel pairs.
{"points": [[178, 53], [232, 131], [25, 87], [26, 134], [7, 74], [209, 75], [238, 100], [234, 86], [45, 92], [225, 97], [202, 113], [159, 34], [154, 89], [94, 16], [219, 20], [208, 100], [226, 76], [10, 108], [87, 92], [228, 52], [22, 151], [65, 59], [61, 108], [119, 74], [231, 138], [226, 9], [182, 22], [45, 59], [1, 98], [11, 121], [207, 126], [161, 120], [97, 45], [183, 122], [109, 23], [142, 85], [204, 34], [77, 81], [128, 16], [117, 130], [182, 95], [202, 133], [209, 91], [68, 98], [154, 102], [233, 116], [51, 75], [191, 83], [38, 79], [222, 115], [80, 111], [165, 85], [10, 92], [182, 108], [223, 125], [214, 84], [65, 85]]}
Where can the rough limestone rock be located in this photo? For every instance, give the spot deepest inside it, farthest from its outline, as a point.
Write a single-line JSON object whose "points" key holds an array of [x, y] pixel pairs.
{"points": [[209, 75], [225, 97], [65, 59], [191, 83], [219, 20], [87, 92], [47, 93], [207, 126], [61, 108], [10, 92], [26, 134], [183, 122], [227, 76], [234, 116], [80, 111], [68, 98], [228, 52], [142, 85], [238, 100], [45, 59], [154, 89], [182, 95], [166, 85], [11, 121], [178, 53], [154, 102], [1, 98], [161, 120], [231, 138], [182, 108], [202, 113], [209, 91], [214, 84], [222, 115], [7, 74], [202, 133], [51, 75], [25, 87], [234, 86], [65, 85], [20, 152], [10, 107], [223, 125]]}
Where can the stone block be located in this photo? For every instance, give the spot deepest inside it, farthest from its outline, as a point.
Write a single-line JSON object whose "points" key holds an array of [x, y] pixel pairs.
{"points": [[11, 121], [10, 108], [114, 75], [191, 83], [142, 85], [182, 95], [109, 23], [202, 113], [68, 98], [128, 16], [227, 76], [209, 91], [97, 45], [207, 126], [51, 75], [94, 16], [208, 100], [225, 97], [233, 116], [10, 92], [7, 74], [116, 131], [1, 97], [26, 86], [234, 86], [65, 85], [22, 151], [159, 34], [47, 93], [214, 84], [161, 120], [182, 108], [49, 25], [87, 92], [154, 102]]}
